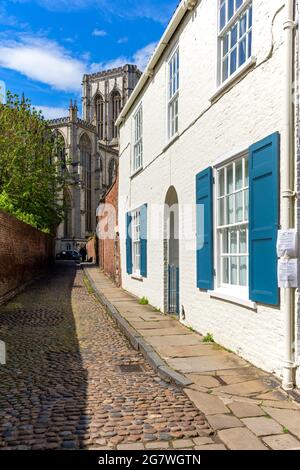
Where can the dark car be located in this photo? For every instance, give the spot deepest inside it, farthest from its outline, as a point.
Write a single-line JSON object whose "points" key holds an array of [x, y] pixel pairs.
{"points": [[71, 255]]}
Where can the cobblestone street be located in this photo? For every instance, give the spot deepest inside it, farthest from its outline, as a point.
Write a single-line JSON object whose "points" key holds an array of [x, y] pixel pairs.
{"points": [[72, 381]]}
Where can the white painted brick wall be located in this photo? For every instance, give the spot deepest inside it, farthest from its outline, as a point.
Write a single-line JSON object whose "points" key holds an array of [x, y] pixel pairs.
{"points": [[251, 110]]}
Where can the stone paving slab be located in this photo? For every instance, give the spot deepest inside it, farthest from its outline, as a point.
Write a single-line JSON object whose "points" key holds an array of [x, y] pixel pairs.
{"points": [[203, 380], [240, 439], [208, 404], [219, 421], [245, 410], [263, 426], [213, 362], [226, 388], [282, 442], [162, 331], [177, 340], [290, 419]]}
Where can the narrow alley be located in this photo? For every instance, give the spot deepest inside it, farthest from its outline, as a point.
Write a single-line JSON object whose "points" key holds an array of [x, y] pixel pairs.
{"points": [[72, 381]]}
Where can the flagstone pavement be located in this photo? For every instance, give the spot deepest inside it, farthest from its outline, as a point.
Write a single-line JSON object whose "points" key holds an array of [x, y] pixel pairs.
{"points": [[245, 407]]}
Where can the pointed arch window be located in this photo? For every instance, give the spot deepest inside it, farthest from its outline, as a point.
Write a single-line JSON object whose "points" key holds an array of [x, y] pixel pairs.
{"points": [[116, 109], [112, 169], [86, 162], [100, 120]]}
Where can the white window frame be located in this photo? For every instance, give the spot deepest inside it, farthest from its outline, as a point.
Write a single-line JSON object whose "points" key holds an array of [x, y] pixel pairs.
{"points": [[231, 290], [246, 8], [137, 152], [136, 241], [173, 86]]}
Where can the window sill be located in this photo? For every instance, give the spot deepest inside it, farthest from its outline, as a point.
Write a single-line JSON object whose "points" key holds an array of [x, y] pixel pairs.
{"points": [[221, 295], [137, 277], [233, 79], [136, 172], [171, 141]]}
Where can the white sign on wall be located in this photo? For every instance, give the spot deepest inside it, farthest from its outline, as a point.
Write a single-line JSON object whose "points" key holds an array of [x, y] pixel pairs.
{"points": [[288, 273], [287, 243]]}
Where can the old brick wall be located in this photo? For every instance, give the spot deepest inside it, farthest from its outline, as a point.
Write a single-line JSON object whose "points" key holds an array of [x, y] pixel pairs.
{"points": [[24, 253], [109, 246]]}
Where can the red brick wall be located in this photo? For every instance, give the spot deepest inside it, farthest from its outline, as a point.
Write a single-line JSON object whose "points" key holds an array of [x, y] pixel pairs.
{"points": [[24, 253], [109, 249]]}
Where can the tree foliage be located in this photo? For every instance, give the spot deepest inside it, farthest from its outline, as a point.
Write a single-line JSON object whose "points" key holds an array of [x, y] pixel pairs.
{"points": [[32, 175]]}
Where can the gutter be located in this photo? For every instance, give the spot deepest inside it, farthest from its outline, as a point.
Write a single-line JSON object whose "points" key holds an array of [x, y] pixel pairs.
{"points": [[183, 7], [288, 193]]}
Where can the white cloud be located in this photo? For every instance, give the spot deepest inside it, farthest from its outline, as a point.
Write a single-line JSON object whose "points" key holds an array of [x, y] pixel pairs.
{"points": [[123, 40], [140, 58], [99, 32], [51, 112], [44, 61]]}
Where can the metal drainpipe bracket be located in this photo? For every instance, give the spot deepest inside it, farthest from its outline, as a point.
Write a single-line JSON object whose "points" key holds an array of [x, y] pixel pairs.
{"points": [[289, 193]]}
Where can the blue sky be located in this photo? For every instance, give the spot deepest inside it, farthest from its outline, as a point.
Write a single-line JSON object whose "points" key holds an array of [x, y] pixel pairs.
{"points": [[47, 45]]}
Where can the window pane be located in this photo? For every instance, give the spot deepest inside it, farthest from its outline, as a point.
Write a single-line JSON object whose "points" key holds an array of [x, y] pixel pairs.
{"points": [[230, 8], [229, 187], [242, 52], [221, 182], [222, 15], [221, 212], [233, 58], [225, 70], [233, 241], [250, 17], [234, 35], [243, 271], [239, 3], [234, 270], [246, 195], [230, 213], [249, 44], [243, 241], [225, 44], [225, 234], [246, 173], [225, 271], [239, 206], [243, 25], [239, 175]]}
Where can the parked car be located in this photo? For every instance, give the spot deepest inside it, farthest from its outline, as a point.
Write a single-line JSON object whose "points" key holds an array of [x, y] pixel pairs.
{"points": [[71, 255]]}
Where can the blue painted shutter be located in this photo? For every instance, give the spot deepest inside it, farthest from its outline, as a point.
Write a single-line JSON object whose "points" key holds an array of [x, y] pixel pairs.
{"points": [[204, 202], [264, 219], [143, 222], [128, 243]]}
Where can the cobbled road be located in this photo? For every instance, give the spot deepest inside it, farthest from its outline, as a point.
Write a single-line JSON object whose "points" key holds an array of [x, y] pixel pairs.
{"points": [[62, 386]]}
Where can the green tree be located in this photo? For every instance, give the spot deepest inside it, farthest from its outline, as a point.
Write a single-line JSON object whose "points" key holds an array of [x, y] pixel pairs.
{"points": [[32, 166]]}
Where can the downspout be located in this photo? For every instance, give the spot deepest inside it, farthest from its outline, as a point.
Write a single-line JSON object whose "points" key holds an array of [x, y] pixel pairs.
{"points": [[288, 193]]}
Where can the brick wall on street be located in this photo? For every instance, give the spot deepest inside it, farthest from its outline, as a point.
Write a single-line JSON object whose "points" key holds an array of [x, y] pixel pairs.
{"points": [[109, 247], [24, 253]]}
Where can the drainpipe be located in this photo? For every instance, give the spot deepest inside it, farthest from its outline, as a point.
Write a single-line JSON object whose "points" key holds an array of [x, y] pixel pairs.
{"points": [[288, 193]]}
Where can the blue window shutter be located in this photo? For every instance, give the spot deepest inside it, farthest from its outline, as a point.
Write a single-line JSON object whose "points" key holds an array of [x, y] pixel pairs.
{"points": [[264, 219], [128, 243], [205, 256], [143, 222]]}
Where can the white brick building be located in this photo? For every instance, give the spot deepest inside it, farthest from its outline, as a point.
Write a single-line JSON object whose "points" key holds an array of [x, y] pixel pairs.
{"points": [[212, 102]]}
